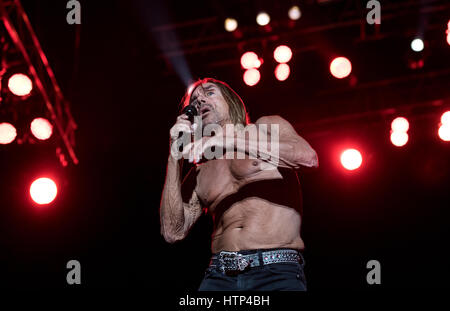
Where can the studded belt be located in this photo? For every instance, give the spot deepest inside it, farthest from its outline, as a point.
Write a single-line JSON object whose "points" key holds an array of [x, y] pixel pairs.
{"points": [[238, 262]]}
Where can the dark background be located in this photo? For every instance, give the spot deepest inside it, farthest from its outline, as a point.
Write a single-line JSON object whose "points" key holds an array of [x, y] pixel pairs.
{"points": [[124, 96]]}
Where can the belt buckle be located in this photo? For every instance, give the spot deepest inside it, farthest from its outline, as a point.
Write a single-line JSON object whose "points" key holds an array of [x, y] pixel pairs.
{"points": [[238, 261]]}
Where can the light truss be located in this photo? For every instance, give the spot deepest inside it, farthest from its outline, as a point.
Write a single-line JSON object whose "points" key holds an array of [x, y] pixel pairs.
{"points": [[22, 35]]}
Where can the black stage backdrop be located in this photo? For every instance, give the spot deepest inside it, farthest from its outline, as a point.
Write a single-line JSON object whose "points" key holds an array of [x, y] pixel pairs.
{"points": [[124, 98]]}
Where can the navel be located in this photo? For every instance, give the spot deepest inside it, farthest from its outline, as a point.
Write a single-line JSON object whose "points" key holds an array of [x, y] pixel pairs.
{"points": [[255, 163]]}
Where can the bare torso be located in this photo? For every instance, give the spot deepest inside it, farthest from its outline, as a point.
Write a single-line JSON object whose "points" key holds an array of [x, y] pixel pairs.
{"points": [[252, 223]]}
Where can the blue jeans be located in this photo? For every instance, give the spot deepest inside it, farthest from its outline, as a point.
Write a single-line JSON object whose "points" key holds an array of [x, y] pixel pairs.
{"points": [[272, 277]]}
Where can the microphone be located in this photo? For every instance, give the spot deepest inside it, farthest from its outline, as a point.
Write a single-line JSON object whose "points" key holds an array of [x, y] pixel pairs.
{"points": [[190, 111]]}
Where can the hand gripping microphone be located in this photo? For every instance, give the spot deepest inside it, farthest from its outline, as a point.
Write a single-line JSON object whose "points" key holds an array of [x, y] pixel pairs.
{"points": [[190, 111]]}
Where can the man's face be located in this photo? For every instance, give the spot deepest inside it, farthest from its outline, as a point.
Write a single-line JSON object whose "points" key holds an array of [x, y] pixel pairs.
{"points": [[211, 105]]}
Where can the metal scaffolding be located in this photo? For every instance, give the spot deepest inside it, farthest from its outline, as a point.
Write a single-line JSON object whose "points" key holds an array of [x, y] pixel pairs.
{"points": [[26, 43], [203, 35]]}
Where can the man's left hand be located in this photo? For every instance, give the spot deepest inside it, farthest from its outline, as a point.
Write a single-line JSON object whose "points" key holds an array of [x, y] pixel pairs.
{"points": [[202, 148]]}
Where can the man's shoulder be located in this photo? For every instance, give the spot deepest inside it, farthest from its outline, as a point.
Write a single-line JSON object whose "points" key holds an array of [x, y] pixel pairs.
{"points": [[271, 119]]}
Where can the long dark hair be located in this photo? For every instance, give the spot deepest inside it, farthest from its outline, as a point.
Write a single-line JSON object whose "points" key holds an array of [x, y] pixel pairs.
{"points": [[238, 112]]}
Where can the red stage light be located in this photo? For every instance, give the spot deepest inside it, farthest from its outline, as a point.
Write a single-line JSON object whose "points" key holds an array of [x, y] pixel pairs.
{"points": [[282, 54], [340, 67], [351, 159], [19, 84], [258, 63], [231, 24], [251, 77], [250, 60], [399, 139], [41, 128], [445, 118], [282, 72], [43, 190], [263, 19], [448, 32], [7, 133], [400, 124], [444, 132], [444, 127], [294, 13], [417, 45]]}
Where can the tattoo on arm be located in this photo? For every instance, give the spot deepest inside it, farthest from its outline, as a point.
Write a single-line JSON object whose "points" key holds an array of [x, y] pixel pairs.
{"points": [[193, 210]]}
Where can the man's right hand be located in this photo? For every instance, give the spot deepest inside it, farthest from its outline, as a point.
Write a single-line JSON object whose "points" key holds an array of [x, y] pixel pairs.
{"points": [[182, 125]]}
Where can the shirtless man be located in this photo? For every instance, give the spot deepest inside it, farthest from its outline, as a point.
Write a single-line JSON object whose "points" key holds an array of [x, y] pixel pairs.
{"points": [[255, 204]]}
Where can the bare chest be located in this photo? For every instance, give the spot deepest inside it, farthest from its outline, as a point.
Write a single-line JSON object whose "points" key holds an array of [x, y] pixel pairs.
{"points": [[219, 178]]}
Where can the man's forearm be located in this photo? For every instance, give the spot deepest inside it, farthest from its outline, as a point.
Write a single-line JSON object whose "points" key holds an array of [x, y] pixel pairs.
{"points": [[172, 210], [273, 150]]}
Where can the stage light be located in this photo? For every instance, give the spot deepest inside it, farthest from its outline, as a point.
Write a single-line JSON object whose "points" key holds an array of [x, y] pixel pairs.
{"points": [[282, 54], [417, 45], [230, 24], [257, 63], [444, 132], [251, 77], [294, 13], [351, 159], [7, 133], [400, 124], [19, 84], [190, 89], [399, 139], [340, 67], [41, 128], [448, 32], [250, 60], [445, 118], [263, 19], [282, 72], [43, 191], [416, 64]]}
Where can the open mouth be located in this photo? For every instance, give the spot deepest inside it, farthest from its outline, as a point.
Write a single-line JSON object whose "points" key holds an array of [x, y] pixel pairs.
{"points": [[204, 111]]}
